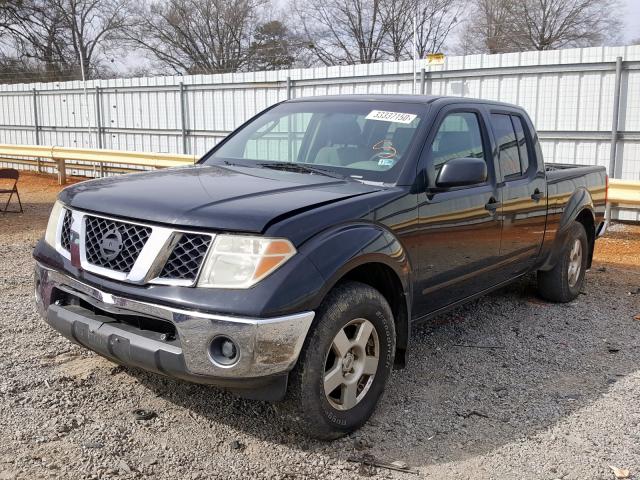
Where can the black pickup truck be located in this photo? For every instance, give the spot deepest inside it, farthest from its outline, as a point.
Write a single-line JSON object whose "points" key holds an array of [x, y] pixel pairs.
{"points": [[291, 261]]}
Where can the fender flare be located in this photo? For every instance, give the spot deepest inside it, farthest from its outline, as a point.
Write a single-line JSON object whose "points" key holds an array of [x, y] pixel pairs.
{"points": [[580, 201], [337, 251]]}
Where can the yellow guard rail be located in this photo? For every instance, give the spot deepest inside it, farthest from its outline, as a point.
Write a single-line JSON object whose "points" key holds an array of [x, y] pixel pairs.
{"points": [[60, 155], [621, 192]]}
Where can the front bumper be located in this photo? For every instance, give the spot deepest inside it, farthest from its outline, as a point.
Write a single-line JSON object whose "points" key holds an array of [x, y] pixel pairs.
{"points": [[268, 348]]}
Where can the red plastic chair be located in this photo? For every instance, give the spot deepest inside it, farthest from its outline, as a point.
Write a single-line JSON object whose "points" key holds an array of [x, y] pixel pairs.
{"points": [[10, 174]]}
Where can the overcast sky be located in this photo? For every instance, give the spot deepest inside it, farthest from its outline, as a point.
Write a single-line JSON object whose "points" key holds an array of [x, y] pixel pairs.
{"points": [[632, 20]]}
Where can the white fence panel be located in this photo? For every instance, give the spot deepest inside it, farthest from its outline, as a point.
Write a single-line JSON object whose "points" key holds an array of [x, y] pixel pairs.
{"points": [[568, 93]]}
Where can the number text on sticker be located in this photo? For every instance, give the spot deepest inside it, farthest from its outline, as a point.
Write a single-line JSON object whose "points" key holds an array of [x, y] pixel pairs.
{"points": [[384, 116]]}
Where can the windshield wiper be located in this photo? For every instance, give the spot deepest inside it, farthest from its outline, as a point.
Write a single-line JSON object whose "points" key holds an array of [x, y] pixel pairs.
{"points": [[302, 168], [237, 164]]}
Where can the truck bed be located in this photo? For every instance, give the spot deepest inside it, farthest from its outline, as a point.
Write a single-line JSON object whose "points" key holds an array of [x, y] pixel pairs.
{"points": [[592, 177], [563, 180]]}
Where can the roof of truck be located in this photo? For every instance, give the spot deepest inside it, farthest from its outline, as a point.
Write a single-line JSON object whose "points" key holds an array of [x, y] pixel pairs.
{"points": [[415, 99]]}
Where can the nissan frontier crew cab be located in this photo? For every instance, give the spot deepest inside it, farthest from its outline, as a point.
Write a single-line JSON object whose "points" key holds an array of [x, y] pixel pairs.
{"points": [[291, 260]]}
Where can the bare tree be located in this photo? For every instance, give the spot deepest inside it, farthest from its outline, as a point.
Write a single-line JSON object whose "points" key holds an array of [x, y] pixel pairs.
{"points": [[434, 19], [498, 26], [344, 31], [91, 26], [552, 24], [36, 34], [60, 36], [5, 19], [487, 27], [273, 47], [196, 36], [398, 16]]}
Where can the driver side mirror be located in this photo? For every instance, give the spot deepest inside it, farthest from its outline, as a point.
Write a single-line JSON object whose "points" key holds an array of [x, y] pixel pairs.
{"points": [[460, 172]]}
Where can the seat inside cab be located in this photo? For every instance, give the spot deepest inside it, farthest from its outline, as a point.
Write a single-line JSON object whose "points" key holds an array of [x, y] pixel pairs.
{"points": [[370, 146], [345, 142]]}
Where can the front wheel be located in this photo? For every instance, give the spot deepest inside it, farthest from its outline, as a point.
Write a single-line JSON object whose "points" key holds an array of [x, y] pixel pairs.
{"points": [[344, 364], [564, 282]]}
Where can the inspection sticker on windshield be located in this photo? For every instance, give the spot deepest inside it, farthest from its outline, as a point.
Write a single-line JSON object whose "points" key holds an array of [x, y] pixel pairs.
{"points": [[397, 117]]}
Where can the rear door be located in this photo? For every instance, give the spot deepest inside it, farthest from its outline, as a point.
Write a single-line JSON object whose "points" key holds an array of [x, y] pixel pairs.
{"points": [[522, 185], [459, 227]]}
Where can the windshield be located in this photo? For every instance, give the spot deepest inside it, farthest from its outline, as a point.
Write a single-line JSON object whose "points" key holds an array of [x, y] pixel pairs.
{"points": [[362, 140]]}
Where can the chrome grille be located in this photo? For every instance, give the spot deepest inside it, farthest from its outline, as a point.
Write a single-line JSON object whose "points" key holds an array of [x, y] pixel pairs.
{"points": [[133, 238], [65, 235], [186, 257]]}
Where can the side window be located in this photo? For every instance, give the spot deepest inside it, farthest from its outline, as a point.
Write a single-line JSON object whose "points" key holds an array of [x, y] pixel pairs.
{"points": [[522, 142], [507, 145], [459, 136]]}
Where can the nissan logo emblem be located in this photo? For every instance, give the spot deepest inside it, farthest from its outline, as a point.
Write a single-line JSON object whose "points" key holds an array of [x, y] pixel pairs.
{"points": [[111, 244]]}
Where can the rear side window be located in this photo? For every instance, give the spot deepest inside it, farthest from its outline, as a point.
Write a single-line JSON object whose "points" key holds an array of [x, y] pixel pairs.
{"points": [[459, 136], [512, 144], [518, 125], [507, 145]]}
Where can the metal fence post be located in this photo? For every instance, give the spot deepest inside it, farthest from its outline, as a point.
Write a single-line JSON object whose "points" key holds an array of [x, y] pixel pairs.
{"points": [[423, 75], [99, 116], [36, 125], [614, 128], [289, 88], [62, 171], [183, 119]]}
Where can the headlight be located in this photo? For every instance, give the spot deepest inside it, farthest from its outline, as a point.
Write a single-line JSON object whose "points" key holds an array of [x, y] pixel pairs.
{"points": [[237, 261], [50, 236]]}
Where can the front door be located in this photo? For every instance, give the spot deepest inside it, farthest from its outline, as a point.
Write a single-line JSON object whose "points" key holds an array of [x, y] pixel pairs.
{"points": [[459, 227]]}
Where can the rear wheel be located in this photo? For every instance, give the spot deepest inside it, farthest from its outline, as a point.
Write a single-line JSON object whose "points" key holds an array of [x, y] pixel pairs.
{"points": [[564, 282], [344, 364]]}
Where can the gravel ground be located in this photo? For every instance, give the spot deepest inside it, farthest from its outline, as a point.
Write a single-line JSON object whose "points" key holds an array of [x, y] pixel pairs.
{"points": [[506, 387]]}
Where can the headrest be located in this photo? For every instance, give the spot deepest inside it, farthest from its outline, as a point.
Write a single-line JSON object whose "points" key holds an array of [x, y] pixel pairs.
{"points": [[401, 138], [344, 130]]}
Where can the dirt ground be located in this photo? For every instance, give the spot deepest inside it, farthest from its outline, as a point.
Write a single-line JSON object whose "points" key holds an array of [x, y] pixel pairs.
{"points": [[37, 192], [506, 387]]}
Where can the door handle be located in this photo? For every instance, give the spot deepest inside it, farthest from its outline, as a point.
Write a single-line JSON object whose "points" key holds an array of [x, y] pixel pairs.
{"points": [[492, 205], [536, 195]]}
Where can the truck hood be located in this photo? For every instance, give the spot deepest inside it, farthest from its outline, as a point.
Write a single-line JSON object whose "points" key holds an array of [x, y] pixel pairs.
{"points": [[242, 199]]}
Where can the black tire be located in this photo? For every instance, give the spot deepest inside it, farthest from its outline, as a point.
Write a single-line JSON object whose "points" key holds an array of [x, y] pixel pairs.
{"points": [[309, 408], [556, 285]]}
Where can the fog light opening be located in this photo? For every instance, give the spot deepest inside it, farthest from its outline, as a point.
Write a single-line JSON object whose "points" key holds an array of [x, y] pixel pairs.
{"points": [[223, 351]]}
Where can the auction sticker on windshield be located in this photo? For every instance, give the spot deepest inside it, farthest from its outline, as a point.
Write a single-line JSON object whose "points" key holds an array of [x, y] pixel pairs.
{"points": [[397, 117]]}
